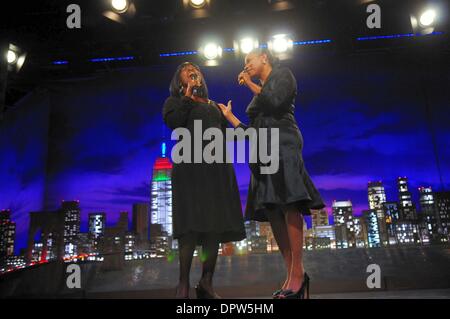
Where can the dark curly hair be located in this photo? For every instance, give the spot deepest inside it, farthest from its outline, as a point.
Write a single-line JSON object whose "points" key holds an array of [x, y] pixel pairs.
{"points": [[175, 84]]}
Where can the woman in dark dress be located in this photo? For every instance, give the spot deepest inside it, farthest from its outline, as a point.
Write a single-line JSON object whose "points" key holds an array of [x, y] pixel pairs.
{"points": [[284, 197], [205, 197]]}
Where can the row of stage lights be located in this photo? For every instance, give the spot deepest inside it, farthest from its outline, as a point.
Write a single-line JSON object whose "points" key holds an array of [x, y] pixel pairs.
{"points": [[280, 45]]}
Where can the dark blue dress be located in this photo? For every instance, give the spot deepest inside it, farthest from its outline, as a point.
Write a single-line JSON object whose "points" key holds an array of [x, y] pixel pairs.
{"points": [[291, 185]]}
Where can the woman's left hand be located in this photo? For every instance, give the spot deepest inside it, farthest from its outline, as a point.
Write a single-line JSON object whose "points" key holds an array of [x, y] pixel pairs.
{"points": [[226, 110]]}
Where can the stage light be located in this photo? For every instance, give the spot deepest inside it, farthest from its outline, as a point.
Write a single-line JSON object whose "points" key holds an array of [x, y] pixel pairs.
{"points": [[246, 45], [119, 6], [197, 3], [280, 43], [427, 18], [212, 51], [11, 57], [15, 58]]}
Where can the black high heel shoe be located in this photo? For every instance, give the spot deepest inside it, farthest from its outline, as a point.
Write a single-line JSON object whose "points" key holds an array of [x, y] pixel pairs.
{"points": [[202, 293], [302, 293], [276, 293]]}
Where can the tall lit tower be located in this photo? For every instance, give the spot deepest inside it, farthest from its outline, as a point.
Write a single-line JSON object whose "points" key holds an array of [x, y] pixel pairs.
{"points": [[7, 234], [71, 210], [407, 208], [161, 192], [344, 224], [377, 197]]}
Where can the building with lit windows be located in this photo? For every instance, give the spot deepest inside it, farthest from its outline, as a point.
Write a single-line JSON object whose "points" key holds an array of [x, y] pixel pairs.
{"points": [[265, 230], [428, 219], [373, 230], [344, 224], [407, 233], [97, 224], [392, 216], [319, 217], [324, 234], [360, 232], [71, 211], [7, 235], [377, 197], [161, 194], [407, 208], [442, 202]]}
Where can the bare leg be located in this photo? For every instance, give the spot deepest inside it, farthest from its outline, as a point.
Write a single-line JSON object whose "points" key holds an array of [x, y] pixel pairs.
{"points": [[280, 232], [294, 221], [187, 245]]}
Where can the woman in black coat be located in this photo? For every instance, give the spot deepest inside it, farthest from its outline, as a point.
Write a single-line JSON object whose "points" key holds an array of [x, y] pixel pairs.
{"points": [[285, 196], [205, 197]]}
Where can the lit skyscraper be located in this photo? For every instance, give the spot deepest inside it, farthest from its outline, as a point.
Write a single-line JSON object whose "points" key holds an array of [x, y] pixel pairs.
{"points": [[392, 216], [7, 235], [407, 208], [161, 192], [442, 201], [344, 224], [373, 230], [377, 197], [71, 210], [429, 218], [97, 225]]}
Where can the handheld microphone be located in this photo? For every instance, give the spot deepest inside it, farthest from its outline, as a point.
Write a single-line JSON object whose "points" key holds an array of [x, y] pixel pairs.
{"points": [[241, 81], [195, 89]]}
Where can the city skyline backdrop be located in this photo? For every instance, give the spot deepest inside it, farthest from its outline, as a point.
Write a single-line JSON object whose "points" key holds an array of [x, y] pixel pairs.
{"points": [[363, 118]]}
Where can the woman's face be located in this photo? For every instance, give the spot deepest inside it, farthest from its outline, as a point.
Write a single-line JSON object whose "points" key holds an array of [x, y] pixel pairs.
{"points": [[187, 72], [254, 64]]}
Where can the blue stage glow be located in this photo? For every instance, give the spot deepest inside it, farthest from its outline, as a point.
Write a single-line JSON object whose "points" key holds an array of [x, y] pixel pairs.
{"points": [[60, 62], [393, 36], [312, 42], [178, 53], [123, 58]]}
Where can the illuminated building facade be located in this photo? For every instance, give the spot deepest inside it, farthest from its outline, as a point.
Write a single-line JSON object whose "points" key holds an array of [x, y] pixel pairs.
{"points": [[161, 193], [344, 224]]}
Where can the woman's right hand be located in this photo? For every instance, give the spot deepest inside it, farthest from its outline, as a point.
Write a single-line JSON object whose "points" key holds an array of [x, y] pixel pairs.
{"points": [[189, 88]]}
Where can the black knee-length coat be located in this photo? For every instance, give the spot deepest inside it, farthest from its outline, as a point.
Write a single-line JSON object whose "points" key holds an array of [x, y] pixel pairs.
{"points": [[205, 197], [291, 185]]}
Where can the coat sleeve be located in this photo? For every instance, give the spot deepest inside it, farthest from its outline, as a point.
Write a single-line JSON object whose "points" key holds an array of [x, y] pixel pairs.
{"points": [[276, 95], [176, 111]]}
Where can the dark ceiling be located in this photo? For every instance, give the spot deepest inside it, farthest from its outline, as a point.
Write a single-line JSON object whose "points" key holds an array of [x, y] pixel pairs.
{"points": [[39, 27]]}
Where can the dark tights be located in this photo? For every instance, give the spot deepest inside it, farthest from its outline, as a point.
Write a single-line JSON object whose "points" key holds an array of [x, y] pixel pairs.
{"points": [[187, 244]]}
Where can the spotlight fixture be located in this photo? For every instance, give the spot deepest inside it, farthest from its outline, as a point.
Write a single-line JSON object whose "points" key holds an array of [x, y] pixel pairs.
{"points": [[280, 43], [245, 45], [212, 51], [427, 18], [197, 3], [197, 8], [425, 21], [15, 58], [120, 6], [120, 10]]}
